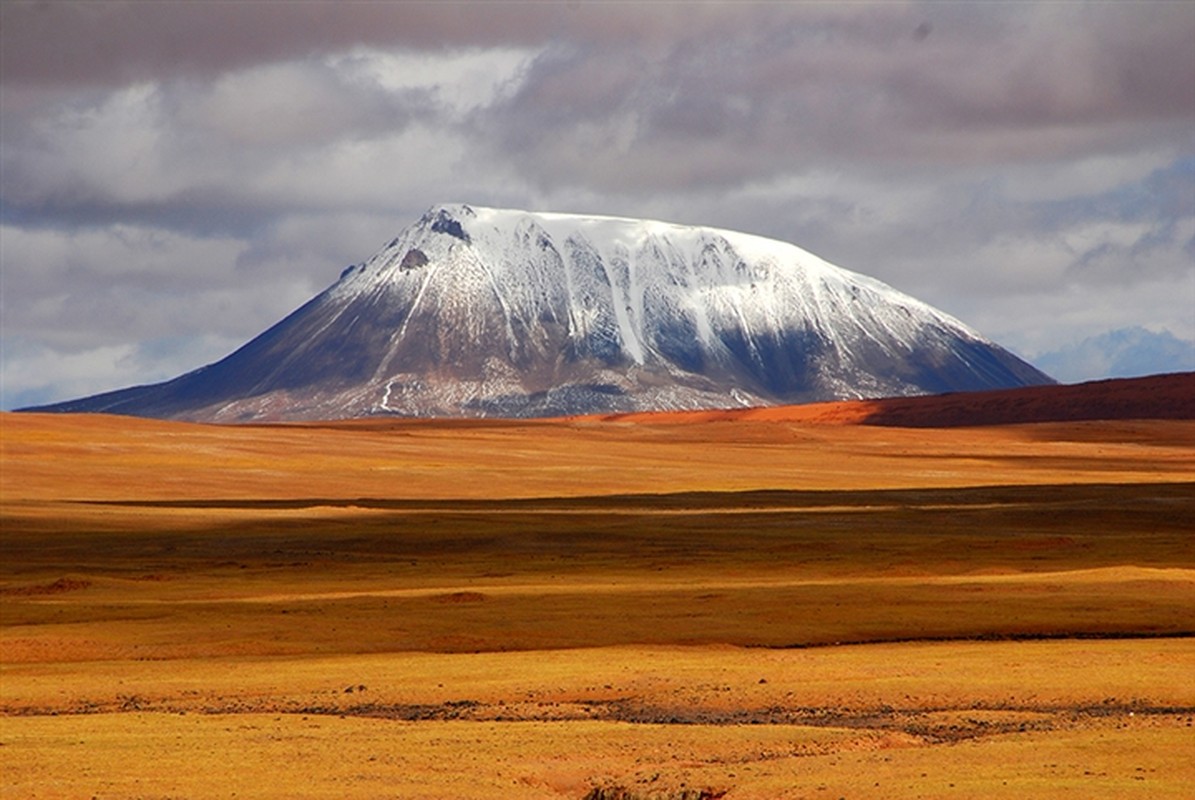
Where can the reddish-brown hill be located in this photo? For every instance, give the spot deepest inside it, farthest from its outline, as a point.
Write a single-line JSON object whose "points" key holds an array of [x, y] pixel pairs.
{"points": [[1170, 396]]}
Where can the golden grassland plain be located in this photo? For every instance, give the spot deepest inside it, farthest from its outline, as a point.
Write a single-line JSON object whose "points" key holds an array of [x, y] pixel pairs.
{"points": [[601, 609]]}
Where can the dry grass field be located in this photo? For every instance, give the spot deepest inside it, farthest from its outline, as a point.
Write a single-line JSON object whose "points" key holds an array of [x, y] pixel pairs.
{"points": [[631, 608]]}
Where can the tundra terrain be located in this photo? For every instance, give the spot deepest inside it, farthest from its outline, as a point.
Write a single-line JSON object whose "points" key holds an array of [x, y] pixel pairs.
{"points": [[651, 607]]}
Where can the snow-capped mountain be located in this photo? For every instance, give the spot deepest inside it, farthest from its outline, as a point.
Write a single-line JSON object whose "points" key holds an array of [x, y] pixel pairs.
{"points": [[486, 312]]}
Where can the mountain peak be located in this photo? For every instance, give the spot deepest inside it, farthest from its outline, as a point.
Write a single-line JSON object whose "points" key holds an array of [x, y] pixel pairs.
{"points": [[445, 221], [475, 311]]}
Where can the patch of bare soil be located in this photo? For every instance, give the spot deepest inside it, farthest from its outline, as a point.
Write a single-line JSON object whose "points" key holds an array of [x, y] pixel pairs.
{"points": [[455, 598], [623, 793], [57, 587], [885, 726]]}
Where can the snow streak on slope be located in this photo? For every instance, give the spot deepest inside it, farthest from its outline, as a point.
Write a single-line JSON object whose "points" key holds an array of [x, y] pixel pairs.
{"points": [[477, 311]]}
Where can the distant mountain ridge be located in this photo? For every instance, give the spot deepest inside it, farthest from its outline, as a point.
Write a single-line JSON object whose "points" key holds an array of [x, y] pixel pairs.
{"points": [[1120, 353], [489, 312], [1158, 397]]}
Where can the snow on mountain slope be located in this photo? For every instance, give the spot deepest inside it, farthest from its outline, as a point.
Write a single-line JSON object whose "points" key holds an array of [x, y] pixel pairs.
{"points": [[487, 312]]}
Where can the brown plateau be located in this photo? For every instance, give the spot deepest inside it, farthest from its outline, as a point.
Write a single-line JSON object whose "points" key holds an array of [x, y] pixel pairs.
{"points": [[748, 604]]}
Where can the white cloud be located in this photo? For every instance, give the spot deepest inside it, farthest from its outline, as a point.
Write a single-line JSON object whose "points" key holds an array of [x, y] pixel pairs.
{"points": [[123, 283], [1080, 177], [108, 147], [459, 80], [32, 373], [119, 252]]}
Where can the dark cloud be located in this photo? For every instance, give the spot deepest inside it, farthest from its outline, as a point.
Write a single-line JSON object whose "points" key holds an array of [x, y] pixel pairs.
{"points": [[125, 42], [114, 42], [784, 91], [629, 98], [191, 156]]}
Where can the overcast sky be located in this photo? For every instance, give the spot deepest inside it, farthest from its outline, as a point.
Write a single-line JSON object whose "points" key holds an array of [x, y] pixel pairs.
{"points": [[175, 177]]}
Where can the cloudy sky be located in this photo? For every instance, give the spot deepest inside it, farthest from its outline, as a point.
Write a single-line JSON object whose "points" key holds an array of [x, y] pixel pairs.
{"points": [[177, 176]]}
